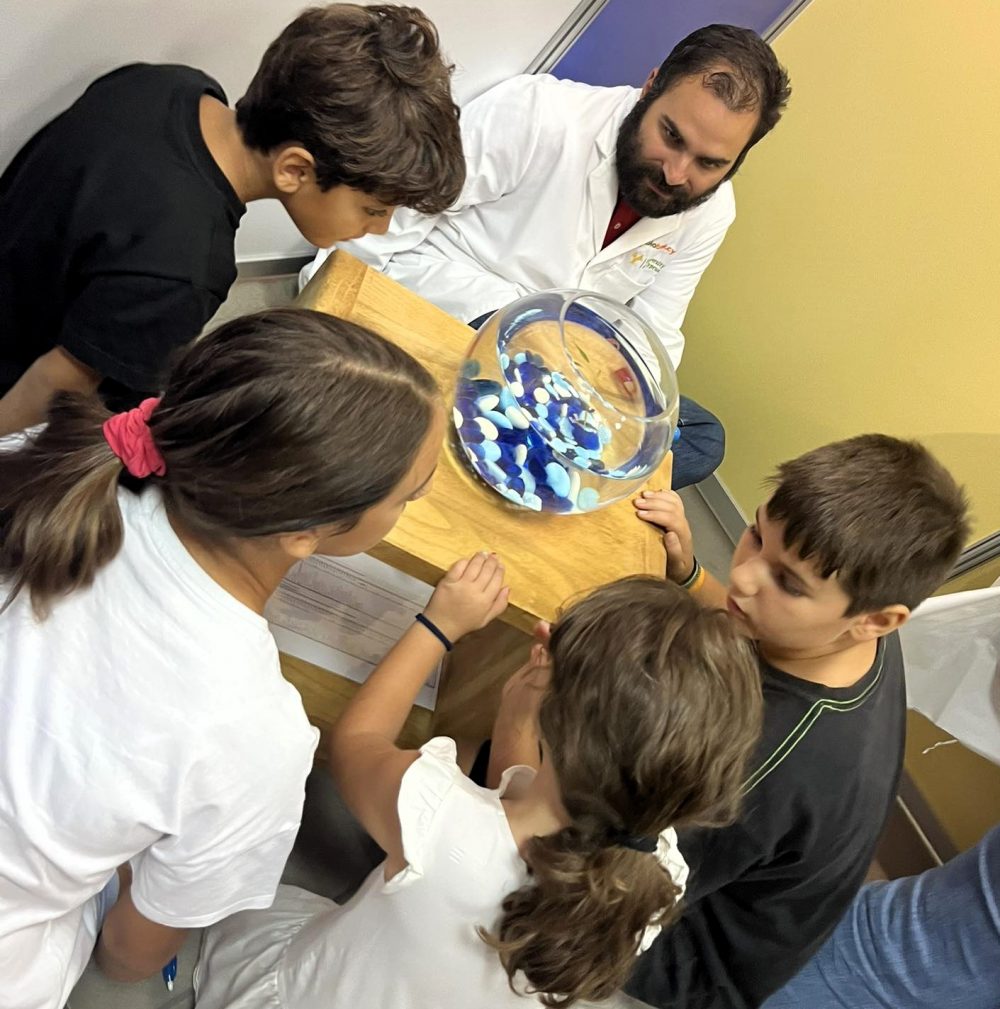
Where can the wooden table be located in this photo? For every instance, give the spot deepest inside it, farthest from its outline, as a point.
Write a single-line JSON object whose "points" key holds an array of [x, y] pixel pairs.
{"points": [[549, 558]]}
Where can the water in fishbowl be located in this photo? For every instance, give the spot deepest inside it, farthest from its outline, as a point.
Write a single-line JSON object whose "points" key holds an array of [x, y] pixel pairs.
{"points": [[565, 403]]}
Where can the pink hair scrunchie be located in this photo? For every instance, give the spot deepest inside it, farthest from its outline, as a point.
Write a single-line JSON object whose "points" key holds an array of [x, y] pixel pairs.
{"points": [[131, 440]]}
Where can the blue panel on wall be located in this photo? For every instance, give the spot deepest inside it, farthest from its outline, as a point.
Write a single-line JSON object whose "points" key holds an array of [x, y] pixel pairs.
{"points": [[631, 37]]}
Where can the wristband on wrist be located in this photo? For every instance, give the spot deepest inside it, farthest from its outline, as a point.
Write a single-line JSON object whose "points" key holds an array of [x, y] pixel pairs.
{"points": [[435, 630], [694, 580]]}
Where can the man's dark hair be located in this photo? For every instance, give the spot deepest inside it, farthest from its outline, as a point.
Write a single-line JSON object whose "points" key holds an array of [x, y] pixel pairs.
{"points": [[738, 67], [365, 91], [882, 514]]}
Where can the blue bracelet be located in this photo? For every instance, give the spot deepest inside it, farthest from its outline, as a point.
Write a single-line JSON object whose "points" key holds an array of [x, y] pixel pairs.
{"points": [[435, 630]]}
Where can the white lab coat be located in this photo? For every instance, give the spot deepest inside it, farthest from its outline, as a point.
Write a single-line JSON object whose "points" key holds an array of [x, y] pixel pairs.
{"points": [[537, 201]]}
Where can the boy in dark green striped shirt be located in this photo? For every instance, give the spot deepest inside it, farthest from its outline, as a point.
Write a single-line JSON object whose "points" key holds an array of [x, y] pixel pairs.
{"points": [[855, 535]]}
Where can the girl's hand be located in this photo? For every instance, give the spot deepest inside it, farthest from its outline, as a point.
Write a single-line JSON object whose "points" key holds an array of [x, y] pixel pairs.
{"points": [[523, 692], [515, 729], [469, 596], [665, 509], [543, 632]]}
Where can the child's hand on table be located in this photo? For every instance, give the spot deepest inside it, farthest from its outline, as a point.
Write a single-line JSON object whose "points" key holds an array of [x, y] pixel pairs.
{"points": [[664, 508], [469, 596]]}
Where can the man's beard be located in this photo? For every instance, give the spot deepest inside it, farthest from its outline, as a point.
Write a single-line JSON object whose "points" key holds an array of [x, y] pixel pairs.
{"points": [[636, 175]]}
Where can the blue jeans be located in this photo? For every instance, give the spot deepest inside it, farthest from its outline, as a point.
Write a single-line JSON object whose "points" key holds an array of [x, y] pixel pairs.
{"points": [[928, 942], [701, 447], [702, 444]]}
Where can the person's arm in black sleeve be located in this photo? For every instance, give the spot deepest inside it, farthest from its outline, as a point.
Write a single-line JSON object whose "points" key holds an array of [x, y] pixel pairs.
{"points": [[750, 922], [687, 965], [122, 327], [26, 402], [126, 327]]}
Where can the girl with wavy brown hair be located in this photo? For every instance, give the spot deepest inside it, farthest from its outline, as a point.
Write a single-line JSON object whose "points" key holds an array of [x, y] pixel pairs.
{"points": [[637, 718]]}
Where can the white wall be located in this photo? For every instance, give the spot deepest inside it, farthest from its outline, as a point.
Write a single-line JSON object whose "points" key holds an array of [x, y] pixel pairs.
{"points": [[51, 49]]}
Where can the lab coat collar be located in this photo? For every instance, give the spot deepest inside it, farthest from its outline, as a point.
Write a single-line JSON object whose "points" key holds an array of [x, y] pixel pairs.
{"points": [[602, 183], [646, 229]]}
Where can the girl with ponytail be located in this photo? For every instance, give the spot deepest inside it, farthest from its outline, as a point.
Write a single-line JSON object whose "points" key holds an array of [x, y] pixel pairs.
{"points": [[637, 718], [143, 715]]}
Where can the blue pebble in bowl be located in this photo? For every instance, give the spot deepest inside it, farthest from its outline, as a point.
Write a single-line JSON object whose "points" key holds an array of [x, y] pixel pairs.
{"points": [[517, 417], [470, 434], [558, 479], [499, 419], [487, 427], [493, 472], [587, 499]]}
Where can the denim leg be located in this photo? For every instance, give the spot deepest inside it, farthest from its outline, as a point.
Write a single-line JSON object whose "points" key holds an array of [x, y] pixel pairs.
{"points": [[701, 447], [927, 942], [479, 320]]}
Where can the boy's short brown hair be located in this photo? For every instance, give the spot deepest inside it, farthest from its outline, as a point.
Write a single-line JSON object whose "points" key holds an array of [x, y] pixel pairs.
{"points": [[366, 92], [881, 513]]}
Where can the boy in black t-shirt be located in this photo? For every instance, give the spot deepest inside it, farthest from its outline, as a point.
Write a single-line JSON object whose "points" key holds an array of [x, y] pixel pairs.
{"points": [[855, 535], [117, 219]]}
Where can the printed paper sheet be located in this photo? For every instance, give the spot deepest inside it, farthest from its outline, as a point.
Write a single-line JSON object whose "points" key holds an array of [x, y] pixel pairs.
{"points": [[345, 613]]}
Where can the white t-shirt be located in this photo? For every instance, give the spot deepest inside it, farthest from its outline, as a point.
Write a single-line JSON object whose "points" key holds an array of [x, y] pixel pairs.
{"points": [[145, 720], [409, 943]]}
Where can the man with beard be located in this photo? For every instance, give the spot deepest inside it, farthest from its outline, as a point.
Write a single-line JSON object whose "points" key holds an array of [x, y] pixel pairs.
{"points": [[615, 190]]}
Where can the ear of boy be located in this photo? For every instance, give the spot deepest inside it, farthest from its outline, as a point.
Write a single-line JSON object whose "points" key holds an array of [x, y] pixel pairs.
{"points": [[878, 623], [292, 168]]}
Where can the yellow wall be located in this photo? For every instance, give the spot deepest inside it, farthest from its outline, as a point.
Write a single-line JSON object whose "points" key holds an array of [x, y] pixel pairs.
{"points": [[978, 578], [961, 787], [859, 288]]}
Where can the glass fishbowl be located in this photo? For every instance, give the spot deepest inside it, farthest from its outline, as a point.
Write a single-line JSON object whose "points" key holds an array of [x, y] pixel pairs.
{"points": [[566, 402]]}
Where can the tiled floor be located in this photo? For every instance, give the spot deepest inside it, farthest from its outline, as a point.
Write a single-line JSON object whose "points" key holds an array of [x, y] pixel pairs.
{"points": [[331, 855], [254, 295]]}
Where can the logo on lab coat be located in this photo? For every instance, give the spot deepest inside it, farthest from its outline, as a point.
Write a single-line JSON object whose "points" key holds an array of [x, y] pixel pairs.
{"points": [[641, 260]]}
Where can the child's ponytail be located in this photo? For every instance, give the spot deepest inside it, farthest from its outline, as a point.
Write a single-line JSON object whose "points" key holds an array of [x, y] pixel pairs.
{"points": [[59, 516], [653, 709], [575, 931]]}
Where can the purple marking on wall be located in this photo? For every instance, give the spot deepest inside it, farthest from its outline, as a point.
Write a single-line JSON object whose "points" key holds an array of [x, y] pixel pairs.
{"points": [[631, 37]]}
